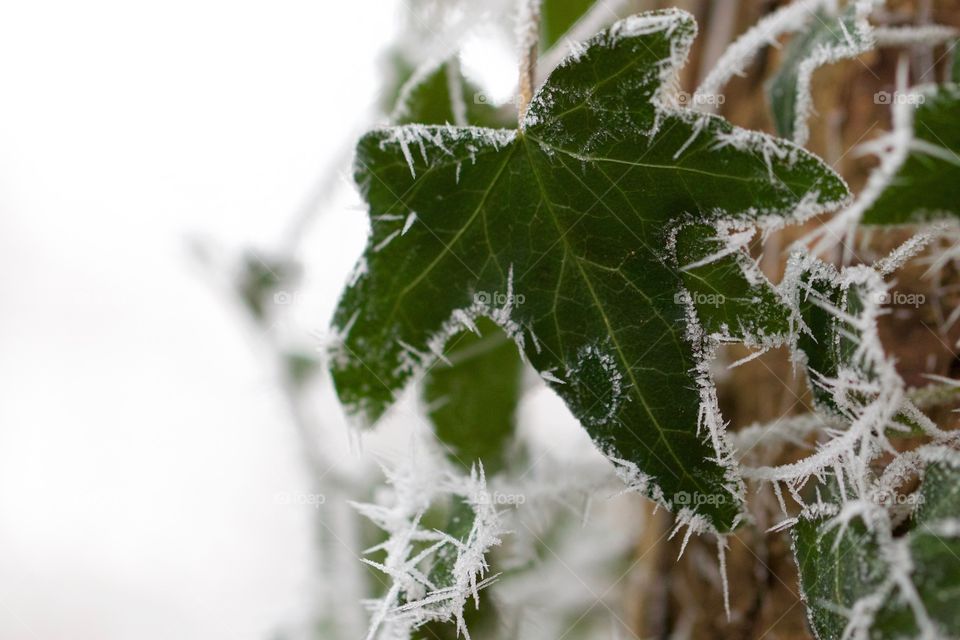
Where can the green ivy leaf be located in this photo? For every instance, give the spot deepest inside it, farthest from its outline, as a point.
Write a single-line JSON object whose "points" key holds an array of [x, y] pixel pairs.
{"points": [[827, 39], [927, 184], [935, 544], [558, 233], [841, 566]]}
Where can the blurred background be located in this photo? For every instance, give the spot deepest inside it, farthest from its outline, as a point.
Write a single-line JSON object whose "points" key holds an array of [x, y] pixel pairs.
{"points": [[142, 441], [152, 478]]}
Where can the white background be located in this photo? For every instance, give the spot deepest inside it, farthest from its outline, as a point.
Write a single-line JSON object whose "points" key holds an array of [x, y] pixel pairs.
{"points": [[141, 443]]}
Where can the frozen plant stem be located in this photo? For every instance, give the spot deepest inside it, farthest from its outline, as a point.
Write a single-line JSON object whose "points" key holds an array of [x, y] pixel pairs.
{"points": [[528, 34]]}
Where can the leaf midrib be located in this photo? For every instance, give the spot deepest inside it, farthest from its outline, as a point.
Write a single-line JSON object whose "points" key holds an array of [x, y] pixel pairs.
{"points": [[600, 309]]}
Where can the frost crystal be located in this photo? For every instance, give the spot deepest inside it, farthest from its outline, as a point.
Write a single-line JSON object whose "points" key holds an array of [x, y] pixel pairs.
{"points": [[412, 139], [867, 391], [413, 599]]}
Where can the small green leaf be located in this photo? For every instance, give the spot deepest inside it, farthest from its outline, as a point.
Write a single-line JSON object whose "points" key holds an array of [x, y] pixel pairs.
{"points": [[472, 396], [827, 39], [927, 184], [558, 234]]}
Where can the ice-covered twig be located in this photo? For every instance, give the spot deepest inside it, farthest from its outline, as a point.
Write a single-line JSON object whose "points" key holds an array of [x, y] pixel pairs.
{"points": [[899, 256]]}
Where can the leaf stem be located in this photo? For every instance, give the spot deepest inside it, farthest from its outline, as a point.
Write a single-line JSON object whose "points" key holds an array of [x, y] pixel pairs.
{"points": [[528, 35]]}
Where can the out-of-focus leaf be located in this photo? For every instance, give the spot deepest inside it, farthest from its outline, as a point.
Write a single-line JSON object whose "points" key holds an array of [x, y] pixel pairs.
{"points": [[954, 66], [472, 395], [826, 40], [259, 283], [444, 96], [300, 367], [927, 184]]}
